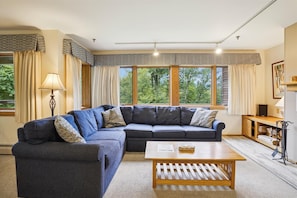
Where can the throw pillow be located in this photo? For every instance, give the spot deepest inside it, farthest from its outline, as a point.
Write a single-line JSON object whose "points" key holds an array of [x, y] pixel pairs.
{"points": [[67, 132], [113, 118], [203, 117]]}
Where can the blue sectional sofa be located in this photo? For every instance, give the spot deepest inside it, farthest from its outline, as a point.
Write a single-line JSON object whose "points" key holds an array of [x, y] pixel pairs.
{"points": [[48, 166]]}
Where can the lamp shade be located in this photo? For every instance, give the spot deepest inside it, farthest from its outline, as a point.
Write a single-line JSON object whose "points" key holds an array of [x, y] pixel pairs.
{"points": [[52, 81], [280, 103]]}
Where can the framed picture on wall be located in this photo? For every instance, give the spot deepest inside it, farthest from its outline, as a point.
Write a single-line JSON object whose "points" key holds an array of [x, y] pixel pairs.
{"points": [[278, 71]]}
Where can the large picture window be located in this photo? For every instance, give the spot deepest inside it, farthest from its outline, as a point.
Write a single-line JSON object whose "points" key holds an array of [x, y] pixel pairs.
{"points": [[174, 85]]}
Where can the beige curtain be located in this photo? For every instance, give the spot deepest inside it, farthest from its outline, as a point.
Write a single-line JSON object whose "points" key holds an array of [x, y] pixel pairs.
{"points": [[105, 85], [242, 89], [73, 83], [27, 71]]}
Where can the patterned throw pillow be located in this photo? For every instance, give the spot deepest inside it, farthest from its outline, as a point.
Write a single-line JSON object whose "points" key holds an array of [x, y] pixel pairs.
{"points": [[67, 132], [203, 117], [113, 118]]}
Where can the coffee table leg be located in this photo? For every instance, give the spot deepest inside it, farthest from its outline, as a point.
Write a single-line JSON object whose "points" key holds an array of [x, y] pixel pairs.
{"points": [[232, 175], [154, 170]]}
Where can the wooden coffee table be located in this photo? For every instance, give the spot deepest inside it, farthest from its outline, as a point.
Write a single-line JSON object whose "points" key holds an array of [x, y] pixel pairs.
{"points": [[211, 163]]}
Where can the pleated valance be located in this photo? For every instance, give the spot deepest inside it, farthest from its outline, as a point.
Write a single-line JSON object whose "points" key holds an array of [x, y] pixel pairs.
{"points": [[71, 47], [178, 59], [22, 42], [134, 59]]}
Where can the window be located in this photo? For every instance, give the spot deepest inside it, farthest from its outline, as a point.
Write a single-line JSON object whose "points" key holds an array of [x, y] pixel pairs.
{"points": [[6, 82], [175, 85], [153, 85], [126, 85], [195, 85]]}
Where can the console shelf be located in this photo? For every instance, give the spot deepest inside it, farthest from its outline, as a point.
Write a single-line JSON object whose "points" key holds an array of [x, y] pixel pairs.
{"points": [[255, 128]]}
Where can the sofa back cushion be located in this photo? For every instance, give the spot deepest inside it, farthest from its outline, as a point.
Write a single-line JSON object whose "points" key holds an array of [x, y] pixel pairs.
{"points": [[43, 130], [127, 113], [168, 115], [186, 115], [86, 122], [144, 115], [98, 116]]}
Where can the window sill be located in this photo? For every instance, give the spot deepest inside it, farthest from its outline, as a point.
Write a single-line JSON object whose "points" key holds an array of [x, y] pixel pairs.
{"points": [[7, 113]]}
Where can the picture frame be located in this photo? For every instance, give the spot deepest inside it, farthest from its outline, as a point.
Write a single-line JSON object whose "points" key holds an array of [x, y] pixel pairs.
{"points": [[278, 72]]}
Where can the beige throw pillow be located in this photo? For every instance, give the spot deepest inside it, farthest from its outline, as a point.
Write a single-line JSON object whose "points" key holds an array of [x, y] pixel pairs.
{"points": [[113, 118], [203, 117], [67, 132]]}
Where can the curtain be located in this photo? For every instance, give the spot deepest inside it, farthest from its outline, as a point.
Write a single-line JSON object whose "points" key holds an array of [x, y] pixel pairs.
{"points": [[27, 71], [242, 89], [105, 85], [73, 83]]}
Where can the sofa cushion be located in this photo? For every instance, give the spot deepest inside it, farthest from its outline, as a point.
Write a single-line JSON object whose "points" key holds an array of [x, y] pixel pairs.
{"points": [[86, 122], [186, 115], [111, 148], [203, 117], [113, 118], [119, 136], [144, 115], [139, 130], [127, 113], [43, 130], [168, 131], [98, 116], [168, 115], [67, 132], [195, 132]]}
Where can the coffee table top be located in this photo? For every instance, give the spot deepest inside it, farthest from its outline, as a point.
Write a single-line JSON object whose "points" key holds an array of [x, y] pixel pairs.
{"points": [[168, 150]]}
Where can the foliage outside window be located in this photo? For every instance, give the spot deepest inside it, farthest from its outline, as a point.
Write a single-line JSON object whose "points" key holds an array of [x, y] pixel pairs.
{"points": [[151, 85], [195, 85], [6, 82], [126, 85]]}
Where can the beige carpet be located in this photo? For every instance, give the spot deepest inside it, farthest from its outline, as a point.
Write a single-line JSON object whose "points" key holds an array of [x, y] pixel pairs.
{"points": [[262, 155]]}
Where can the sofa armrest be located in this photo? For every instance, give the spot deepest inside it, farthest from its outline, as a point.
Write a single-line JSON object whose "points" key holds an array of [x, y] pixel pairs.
{"points": [[218, 126], [59, 151]]}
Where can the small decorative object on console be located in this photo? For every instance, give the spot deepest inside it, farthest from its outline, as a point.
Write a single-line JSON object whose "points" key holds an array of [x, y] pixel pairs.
{"points": [[187, 148]]}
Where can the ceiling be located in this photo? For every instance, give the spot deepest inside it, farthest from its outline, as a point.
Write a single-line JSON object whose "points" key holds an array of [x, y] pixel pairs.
{"points": [[119, 21]]}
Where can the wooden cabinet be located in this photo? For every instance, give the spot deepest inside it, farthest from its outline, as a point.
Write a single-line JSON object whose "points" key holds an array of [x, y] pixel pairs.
{"points": [[261, 129]]}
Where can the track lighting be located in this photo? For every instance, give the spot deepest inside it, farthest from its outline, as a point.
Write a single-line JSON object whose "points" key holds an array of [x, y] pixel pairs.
{"points": [[155, 53], [218, 49]]}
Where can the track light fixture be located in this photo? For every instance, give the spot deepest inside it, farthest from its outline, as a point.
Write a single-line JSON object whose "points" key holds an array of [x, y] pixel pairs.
{"points": [[155, 53], [218, 49]]}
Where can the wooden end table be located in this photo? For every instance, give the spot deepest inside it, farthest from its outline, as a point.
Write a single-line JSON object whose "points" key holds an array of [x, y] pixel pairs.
{"points": [[211, 163]]}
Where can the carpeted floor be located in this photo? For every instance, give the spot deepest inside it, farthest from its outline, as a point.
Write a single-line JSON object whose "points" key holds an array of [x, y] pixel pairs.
{"points": [[262, 155]]}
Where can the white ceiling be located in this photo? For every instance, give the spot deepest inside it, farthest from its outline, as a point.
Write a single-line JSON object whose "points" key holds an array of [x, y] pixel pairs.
{"points": [[114, 21]]}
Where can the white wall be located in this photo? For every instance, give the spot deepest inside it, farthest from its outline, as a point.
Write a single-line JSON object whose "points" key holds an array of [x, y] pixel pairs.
{"points": [[272, 55], [291, 97]]}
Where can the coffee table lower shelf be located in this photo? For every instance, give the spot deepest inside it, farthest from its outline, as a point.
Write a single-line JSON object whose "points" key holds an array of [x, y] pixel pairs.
{"points": [[194, 173]]}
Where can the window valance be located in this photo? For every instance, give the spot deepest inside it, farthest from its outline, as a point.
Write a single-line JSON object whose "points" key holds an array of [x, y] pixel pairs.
{"points": [[134, 59], [22, 42], [178, 59], [70, 47]]}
